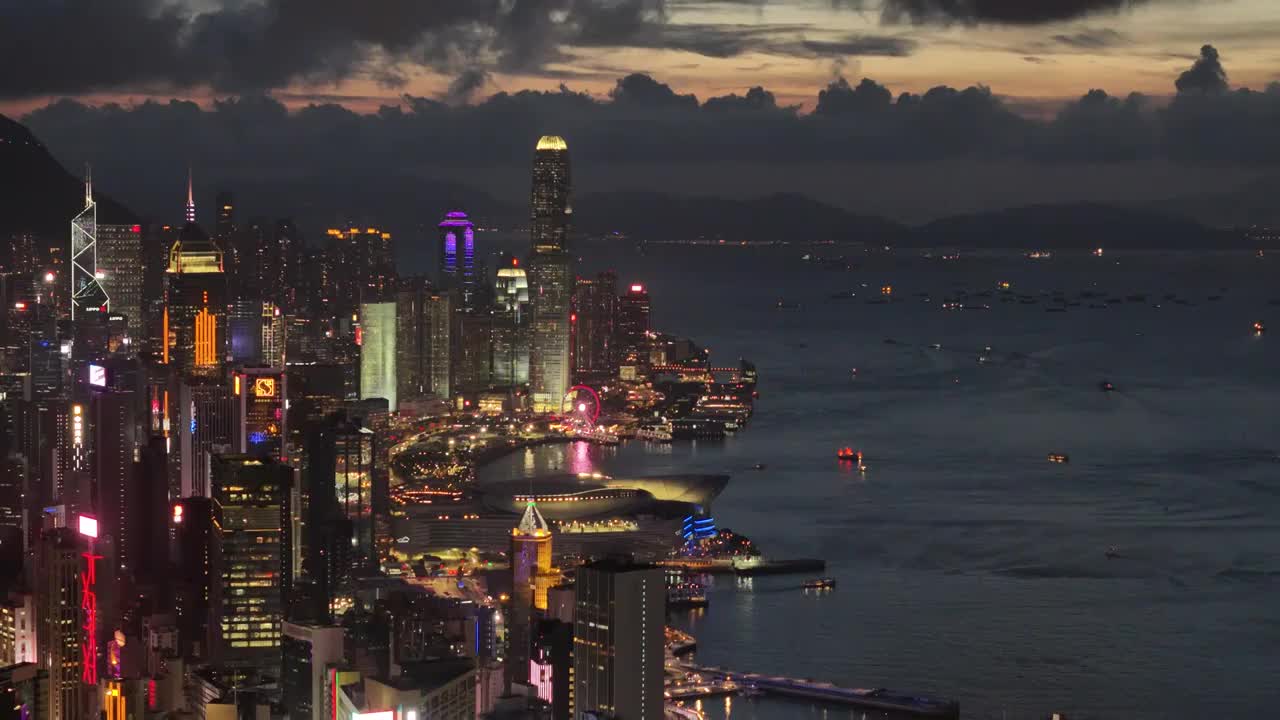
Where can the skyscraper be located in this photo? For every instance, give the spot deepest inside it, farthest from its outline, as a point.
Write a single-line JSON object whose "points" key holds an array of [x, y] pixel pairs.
{"points": [[195, 300], [121, 265], [87, 295], [458, 257], [67, 568], [253, 558], [364, 270], [618, 640], [551, 291], [550, 273], [531, 575], [633, 322], [260, 426], [550, 209], [595, 305], [510, 326], [378, 352]]}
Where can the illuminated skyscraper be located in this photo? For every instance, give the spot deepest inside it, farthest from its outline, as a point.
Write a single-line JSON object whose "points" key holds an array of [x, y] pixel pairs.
{"points": [[458, 257], [253, 558], [363, 270], [595, 305], [195, 300], [121, 265], [87, 295], [550, 272], [531, 575], [259, 425], [550, 198], [378, 352], [67, 573], [511, 327], [203, 428], [633, 322], [551, 291], [620, 609]]}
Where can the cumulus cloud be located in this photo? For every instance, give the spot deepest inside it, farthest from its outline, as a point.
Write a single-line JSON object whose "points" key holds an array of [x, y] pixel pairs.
{"points": [[1008, 12], [252, 46], [1206, 75], [646, 122]]}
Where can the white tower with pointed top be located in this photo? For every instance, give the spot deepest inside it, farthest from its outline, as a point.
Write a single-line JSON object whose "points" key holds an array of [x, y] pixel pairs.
{"points": [[87, 295]]}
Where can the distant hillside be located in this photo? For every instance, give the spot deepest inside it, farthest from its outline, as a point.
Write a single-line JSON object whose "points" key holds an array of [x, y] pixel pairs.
{"points": [[40, 196], [1071, 226], [1254, 203], [660, 216]]}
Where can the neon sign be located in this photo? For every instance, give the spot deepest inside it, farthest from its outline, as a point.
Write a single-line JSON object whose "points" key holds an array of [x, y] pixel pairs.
{"points": [[89, 604], [87, 526], [97, 376]]}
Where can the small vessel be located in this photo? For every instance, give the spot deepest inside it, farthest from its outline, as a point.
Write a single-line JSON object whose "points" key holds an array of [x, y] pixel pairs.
{"points": [[784, 305], [1059, 458], [1259, 328], [759, 466], [1112, 552], [822, 583], [1106, 386], [849, 454]]}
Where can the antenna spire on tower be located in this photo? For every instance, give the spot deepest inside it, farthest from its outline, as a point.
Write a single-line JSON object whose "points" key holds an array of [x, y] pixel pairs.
{"points": [[88, 184], [191, 202]]}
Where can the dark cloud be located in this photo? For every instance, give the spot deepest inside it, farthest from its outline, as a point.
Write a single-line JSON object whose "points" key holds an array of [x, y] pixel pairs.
{"points": [[1091, 39], [839, 98], [463, 87], [646, 123], [257, 45], [1206, 75], [1006, 12]]}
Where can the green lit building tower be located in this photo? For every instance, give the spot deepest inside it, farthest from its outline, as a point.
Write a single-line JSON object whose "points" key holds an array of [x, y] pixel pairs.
{"points": [[550, 275], [252, 559]]}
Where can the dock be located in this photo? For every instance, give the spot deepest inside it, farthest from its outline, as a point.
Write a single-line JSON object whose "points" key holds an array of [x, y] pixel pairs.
{"points": [[878, 699]]}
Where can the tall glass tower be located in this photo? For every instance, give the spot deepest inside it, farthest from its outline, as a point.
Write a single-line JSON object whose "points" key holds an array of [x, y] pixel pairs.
{"points": [[87, 295], [550, 274]]}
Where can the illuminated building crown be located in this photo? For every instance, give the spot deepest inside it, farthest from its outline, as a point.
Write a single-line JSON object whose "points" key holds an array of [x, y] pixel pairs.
{"points": [[532, 522]]}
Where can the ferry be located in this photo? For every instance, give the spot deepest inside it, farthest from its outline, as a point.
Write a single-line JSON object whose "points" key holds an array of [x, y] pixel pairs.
{"points": [[1059, 458], [654, 434], [822, 583]]}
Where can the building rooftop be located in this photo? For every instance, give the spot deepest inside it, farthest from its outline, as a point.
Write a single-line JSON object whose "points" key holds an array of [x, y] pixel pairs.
{"points": [[552, 142], [429, 675], [532, 523]]}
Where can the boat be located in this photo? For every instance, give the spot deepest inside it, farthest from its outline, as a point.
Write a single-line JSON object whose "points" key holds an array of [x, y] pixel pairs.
{"points": [[654, 434], [784, 305], [1112, 552], [759, 466], [1059, 458], [822, 583], [1106, 386], [849, 454], [1259, 328]]}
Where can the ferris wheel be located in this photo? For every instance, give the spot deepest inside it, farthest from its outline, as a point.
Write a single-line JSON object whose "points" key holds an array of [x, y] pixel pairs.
{"points": [[583, 404]]}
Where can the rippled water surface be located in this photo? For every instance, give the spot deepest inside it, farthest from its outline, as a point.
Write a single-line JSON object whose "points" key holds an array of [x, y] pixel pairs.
{"points": [[968, 566]]}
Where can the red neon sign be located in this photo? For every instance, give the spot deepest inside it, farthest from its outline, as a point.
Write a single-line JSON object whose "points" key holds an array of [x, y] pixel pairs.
{"points": [[89, 604]]}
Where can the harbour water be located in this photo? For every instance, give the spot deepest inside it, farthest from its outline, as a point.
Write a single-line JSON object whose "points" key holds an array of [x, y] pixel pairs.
{"points": [[970, 567]]}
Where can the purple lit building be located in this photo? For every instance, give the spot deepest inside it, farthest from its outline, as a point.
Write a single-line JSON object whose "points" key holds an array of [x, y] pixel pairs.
{"points": [[458, 256]]}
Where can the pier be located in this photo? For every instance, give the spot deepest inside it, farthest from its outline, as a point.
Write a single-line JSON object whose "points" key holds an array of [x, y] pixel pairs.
{"points": [[877, 699]]}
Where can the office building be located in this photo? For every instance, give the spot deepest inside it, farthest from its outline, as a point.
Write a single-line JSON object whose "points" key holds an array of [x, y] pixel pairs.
{"points": [[88, 299], [472, 352], [120, 265], [259, 423], [551, 291], [551, 666], [271, 347], [195, 321], [112, 426], [458, 257], [24, 690], [252, 560], [550, 206], [550, 275], [18, 629], [204, 418], [510, 326], [195, 545], [618, 640], [531, 576], [67, 619], [436, 690], [245, 332], [633, 322], [354, 477], [308, 652], [364, 270], [378, 352], [595, 306]]}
